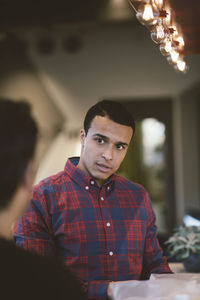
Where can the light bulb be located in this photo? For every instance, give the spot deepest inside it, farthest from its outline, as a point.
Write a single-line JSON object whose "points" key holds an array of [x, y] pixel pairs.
{"points": [[146, 14], [158, 34], [173, 57], [180, 41], [166, 47], [181, 66], [158, 3]]}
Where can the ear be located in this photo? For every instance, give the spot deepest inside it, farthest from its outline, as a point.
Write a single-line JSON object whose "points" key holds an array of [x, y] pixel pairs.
{"points": [[82, 137]]}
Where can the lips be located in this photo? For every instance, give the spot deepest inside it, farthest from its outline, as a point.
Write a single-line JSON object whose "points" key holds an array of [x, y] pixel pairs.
{"points": [[103, 168]]}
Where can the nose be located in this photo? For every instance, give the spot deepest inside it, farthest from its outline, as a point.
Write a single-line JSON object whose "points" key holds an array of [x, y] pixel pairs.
{"points": [[108, 153]]}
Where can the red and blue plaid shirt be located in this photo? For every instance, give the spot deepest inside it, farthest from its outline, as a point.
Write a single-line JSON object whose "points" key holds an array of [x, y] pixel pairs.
{"points": [[104, 234]]}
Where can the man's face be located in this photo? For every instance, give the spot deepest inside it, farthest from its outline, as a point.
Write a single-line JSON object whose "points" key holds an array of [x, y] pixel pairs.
{"points": [[103, 148]]}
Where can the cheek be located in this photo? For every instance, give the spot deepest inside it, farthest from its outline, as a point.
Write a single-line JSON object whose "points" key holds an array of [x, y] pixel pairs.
{"points": [[119, 159]]}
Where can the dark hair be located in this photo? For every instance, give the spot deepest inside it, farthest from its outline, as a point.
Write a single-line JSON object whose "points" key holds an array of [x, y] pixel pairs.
{"points": [[18, 135], [115, 111]]}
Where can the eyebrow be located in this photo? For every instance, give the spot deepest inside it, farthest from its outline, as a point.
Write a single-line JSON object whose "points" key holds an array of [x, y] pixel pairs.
{"points": [[104, 137]]}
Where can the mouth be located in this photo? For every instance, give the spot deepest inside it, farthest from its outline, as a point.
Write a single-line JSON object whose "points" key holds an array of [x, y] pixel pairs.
{"points": [[103, 168]]}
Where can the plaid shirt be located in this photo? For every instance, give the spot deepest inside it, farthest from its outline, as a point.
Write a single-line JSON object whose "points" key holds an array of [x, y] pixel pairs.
{"points": [[103, 233]]}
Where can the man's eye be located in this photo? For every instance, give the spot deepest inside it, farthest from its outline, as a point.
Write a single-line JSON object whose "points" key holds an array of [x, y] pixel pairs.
{"points": [[100, 141], [119, 147]]}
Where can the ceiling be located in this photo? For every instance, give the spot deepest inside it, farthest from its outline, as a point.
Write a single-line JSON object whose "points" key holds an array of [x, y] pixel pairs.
{"points": [[24, 14]]}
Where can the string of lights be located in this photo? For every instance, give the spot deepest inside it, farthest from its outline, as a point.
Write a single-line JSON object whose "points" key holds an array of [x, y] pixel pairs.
{"points": [[159, 18]]}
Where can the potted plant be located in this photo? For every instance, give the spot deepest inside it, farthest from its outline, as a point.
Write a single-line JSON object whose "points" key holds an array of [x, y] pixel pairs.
{"points": [[184, 245]]}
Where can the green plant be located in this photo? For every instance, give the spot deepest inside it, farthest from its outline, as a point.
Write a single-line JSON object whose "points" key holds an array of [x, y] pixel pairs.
{"points": [[184, 242]]}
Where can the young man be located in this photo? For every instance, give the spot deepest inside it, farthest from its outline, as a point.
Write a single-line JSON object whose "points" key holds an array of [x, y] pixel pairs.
{"points": [[100, 224], [24, 275]]}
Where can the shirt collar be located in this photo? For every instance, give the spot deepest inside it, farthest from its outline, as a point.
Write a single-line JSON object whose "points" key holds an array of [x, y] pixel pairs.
{"points": [[83, 179]]}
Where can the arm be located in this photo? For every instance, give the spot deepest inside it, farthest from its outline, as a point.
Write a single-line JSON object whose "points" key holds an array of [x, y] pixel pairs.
{"points": [[33, 230], [34, 233], [154, 261]]}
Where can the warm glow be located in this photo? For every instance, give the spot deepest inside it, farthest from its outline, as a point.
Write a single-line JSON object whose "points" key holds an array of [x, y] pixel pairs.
{"points": [[158, 3], [160, 32], [159, 18], [174, 56], [148, 12], [168, 46], [168, 18], [181, 41], [181, 65]]}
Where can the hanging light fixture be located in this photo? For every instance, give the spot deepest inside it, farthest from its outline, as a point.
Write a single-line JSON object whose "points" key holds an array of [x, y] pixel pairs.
{"points": [[166, 47], [159, 18], [180, 42], [159, 33], [181, 66], [158, 3], [147, 14], [173, 57]]}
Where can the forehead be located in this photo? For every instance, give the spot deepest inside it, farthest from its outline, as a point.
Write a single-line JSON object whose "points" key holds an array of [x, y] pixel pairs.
{"points": [[110, 129]]}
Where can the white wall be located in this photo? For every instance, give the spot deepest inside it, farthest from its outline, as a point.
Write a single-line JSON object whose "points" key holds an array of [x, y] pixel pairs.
{"points": [[21, 82], [116, 60]]}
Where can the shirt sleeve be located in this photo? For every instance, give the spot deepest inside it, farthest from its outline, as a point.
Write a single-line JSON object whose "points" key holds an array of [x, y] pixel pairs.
{"points": [[153, 261], [33, 231]]}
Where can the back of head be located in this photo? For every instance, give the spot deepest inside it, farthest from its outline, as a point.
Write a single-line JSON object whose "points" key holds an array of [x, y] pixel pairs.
{"points": [[18, 135], [115, 111]]}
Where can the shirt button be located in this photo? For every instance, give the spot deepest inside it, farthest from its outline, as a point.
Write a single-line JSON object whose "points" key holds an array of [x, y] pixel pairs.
{"points": [[87, 187], [108, 224], [111, 253], [102, 198], [92, 182]]}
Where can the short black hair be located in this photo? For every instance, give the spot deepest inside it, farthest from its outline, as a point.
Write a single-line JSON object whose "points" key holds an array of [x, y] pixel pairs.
{"points": [[115, 111], [18, 136]]}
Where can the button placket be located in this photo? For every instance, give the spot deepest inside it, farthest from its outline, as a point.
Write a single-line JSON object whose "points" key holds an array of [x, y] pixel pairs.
{"points": [[106, 217]]}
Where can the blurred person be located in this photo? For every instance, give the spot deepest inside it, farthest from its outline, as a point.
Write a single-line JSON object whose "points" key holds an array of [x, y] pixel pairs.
{"points": [[24, 275], [100, 224]]}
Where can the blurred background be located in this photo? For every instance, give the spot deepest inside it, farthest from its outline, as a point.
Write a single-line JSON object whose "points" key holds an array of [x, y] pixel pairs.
{"points": [[64, 56]]}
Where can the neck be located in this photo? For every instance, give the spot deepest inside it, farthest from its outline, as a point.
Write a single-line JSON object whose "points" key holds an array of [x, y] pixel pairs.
{"points": [[82, 168]]}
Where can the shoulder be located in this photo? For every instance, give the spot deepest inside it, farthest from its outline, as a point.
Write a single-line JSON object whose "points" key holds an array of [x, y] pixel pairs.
{"points": [[52, 183]]}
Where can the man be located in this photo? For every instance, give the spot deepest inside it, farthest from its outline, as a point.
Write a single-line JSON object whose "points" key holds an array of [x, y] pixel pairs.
{"points": [[24, 275], [100, 224]]}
